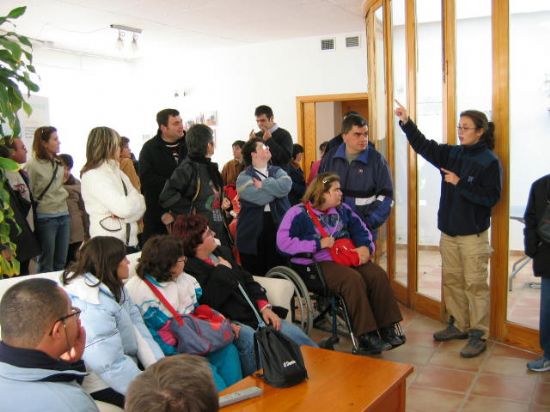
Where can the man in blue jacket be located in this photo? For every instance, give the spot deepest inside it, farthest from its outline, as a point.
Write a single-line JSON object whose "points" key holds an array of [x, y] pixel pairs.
{"points": [[41, 350], [364, 173], [263, 191]]}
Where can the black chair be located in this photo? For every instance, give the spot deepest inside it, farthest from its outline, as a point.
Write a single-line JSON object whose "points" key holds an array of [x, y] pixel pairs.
{"points": [[310, 286]]}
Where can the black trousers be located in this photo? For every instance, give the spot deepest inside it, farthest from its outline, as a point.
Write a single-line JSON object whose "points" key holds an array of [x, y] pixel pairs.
{"points": [[266, 256]]}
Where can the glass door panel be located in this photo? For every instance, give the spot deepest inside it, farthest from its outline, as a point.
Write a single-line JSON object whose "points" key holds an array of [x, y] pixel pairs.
{"points": [[429, 120], [399, 60], [529, 143]]}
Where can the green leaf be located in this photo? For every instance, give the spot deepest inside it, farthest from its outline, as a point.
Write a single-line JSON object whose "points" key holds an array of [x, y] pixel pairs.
{"points": [[13, 47], [24, 40], [27, 108], [8, 164], [17, 12]]}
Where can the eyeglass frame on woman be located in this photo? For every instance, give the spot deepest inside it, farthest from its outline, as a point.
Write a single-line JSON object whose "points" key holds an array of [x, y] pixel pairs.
{"points": [[459, 127], [208, 232]]}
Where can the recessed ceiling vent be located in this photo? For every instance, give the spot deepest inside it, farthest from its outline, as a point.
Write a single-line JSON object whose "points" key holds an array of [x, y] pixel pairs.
{"points": [[327, 44], [352, 41]]}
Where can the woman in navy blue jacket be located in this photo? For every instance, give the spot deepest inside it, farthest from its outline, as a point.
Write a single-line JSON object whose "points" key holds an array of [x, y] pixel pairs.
{"points": [[470, 187]]}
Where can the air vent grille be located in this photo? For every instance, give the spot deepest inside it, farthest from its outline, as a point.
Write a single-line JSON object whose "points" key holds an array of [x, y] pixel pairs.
{"points": [[352, 41], [327, 44]]}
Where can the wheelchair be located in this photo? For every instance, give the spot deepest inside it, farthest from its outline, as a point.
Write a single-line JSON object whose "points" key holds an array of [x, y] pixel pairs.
{"points": [[313, 302]]}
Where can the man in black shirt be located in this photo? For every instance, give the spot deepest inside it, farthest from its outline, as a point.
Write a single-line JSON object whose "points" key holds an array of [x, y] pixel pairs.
{"points": [[157, 160], [276, 138]]}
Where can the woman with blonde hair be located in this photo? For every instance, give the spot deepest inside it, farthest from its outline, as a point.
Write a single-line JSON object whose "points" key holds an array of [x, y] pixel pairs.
{"points": [[112, 202], [46, 175]]}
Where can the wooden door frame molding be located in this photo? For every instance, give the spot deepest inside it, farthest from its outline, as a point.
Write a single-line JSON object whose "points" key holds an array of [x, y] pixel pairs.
{"points": [[305, 132]]}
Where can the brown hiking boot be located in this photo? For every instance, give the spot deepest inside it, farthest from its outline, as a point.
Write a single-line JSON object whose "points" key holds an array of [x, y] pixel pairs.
{"points": [[475, 345], [450, 332]]}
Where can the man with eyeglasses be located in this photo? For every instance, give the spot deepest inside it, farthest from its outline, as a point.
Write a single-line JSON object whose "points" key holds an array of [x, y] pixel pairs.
{"points": [[41, 350], [364, 173]]}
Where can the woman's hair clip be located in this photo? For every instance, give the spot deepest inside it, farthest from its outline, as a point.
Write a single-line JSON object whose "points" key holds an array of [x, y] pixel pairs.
{"points": [[325, 180]]}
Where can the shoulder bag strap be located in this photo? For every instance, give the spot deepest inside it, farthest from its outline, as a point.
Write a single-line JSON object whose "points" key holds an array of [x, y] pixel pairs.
{"points": [[261, 323], [128, 226], [163, 300], [315, 219], [39, 198]]}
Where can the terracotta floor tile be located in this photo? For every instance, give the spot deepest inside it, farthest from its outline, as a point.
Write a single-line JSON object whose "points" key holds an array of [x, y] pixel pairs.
{"points": [[423, 399], [504, 365], [416, 355], [544, 376], [540, 408], [446, 379], [420, 338], [511, 352], [512, 388], [542, 394], [452, 359], [481, 403]]}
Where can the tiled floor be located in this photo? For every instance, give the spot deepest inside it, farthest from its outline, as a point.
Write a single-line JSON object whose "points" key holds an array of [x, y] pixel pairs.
{"points": [[523, 299], [442, 381]]}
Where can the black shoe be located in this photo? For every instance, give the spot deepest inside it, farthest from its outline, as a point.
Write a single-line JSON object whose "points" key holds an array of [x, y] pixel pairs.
{"points": [[389, 335], [371, 343]]}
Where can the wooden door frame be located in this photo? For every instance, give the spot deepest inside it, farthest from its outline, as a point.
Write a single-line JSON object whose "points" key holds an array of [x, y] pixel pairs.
{"points": [[307, 129]]}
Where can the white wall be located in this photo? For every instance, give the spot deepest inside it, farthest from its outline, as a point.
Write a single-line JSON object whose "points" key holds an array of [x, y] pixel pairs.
{"points": [[85, 91]]}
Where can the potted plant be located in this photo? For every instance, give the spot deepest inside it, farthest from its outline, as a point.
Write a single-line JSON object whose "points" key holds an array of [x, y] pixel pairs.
{"points": [[16, 73]]}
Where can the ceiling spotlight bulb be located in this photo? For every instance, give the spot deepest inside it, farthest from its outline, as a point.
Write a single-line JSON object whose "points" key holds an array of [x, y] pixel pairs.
{"points": [[120, 40], [135, 46]]}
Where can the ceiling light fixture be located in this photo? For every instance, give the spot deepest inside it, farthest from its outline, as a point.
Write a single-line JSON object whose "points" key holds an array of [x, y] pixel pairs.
{"points": [[122, 30]]}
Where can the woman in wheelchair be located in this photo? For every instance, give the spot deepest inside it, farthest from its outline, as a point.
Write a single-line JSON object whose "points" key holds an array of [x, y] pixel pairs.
{"points": [[365, 287], [218, 274]]}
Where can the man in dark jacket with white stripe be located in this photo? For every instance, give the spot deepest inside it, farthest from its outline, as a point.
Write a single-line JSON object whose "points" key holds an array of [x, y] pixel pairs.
{"points": [[364, 173]]}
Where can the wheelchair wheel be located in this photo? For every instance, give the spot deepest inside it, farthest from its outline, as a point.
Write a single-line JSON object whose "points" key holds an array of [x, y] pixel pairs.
{"points": [[301, 306]]}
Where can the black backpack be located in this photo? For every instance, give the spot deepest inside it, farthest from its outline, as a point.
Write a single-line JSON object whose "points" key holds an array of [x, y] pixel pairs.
{"points": [[280, 357]]}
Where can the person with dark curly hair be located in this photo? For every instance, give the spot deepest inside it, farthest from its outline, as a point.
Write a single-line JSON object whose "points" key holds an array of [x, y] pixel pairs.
{"points": [[219, 275], [162, 263]]}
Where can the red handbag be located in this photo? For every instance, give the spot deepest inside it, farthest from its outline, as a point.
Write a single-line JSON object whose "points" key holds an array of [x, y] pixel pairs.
{"points": [[342, 251]]}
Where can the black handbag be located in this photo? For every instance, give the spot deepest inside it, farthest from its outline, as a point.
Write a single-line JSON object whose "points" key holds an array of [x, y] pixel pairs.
{"points": [[281, 358]]}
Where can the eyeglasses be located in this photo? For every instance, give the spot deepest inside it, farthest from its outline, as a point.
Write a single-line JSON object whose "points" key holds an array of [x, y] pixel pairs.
{"points": [[209, 232], [182, 259], [462, 128], [74, 312]]}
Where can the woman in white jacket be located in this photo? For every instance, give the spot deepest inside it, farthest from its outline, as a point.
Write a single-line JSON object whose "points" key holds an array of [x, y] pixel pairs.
{"points": [[112, 202]]}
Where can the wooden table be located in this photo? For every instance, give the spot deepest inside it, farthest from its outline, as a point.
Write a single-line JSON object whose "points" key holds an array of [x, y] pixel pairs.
{"points": [[337, 382]]}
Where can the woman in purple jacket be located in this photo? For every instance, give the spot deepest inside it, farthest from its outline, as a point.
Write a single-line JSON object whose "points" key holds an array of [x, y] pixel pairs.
{"points": [[365, 288]]}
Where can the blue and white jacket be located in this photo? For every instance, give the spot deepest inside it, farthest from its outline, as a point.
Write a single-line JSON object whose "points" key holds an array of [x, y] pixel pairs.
{"points": [[273, 192], [116, 336], [366, 183], [37, 390]]}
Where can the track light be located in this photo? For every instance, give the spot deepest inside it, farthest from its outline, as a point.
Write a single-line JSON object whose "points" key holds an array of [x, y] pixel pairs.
{"points": [[122, 30]]}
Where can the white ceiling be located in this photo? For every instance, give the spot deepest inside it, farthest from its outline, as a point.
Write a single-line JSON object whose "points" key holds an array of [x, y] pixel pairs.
{"points": [[177, 25]]}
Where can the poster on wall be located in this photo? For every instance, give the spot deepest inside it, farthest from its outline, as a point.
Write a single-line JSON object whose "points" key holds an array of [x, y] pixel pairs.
{"points": [[209, 118], [40, 116]]}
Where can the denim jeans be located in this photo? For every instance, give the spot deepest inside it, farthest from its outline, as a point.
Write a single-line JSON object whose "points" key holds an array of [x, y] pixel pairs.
{"points": [[245, 344], [53, 234], [544, 329]]}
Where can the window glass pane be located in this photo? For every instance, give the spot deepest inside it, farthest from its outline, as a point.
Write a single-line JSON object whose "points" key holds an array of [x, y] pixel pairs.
{"points": [[400, 142], [429, 120], [529, 142], [378, 135]]}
